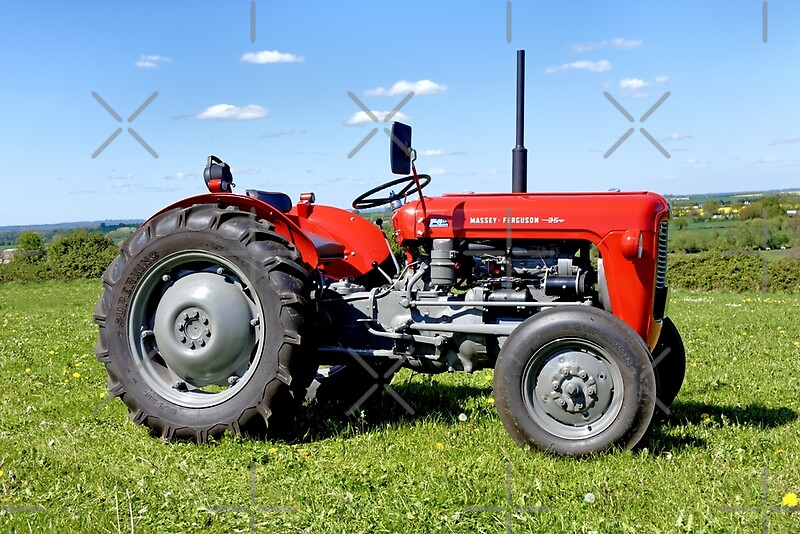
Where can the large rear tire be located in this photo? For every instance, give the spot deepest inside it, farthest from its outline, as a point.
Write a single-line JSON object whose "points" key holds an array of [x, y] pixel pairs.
{"points": [[575, 381], [201, 324]]}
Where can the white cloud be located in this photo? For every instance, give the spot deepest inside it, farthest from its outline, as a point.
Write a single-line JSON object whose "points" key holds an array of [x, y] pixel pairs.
{"points": [[662, 79], [270, 56], [493, 172], [182, 176], [592, 66], [616, 44], [437, 171], [790, 141], [436, 152], [632, 83], [227, 112], [422, 87], [152, 61], [359, 118], [692, 161], [283, 133], [247, 170], [677, 137]]}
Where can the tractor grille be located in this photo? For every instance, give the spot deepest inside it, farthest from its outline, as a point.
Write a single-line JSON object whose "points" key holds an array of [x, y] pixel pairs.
{"points": [[661, 266]]}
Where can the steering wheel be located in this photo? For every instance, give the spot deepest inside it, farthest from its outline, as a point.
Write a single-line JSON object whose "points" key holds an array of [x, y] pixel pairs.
{"points": [[364, 201]]}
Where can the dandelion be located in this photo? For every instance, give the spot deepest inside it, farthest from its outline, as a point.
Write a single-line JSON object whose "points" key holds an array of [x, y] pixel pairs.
{"points": [[462, 417], [440, 445], [273, 450], [490, 400], [488, 377], [302, 453], [28, 370], [52, 353], [103, 395], [76, 375], [778, 451], [1, 472], [694, 364], [589, 497], [790, 499]]}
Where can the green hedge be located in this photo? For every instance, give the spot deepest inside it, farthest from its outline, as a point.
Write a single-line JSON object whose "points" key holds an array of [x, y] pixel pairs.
{"points": [[79, 254], [733, 272]]}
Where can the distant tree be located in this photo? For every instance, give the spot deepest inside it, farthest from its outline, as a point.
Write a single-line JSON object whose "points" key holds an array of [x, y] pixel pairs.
{"points": [[680, 223], [770, 206], [710, 207], [30, 248]]}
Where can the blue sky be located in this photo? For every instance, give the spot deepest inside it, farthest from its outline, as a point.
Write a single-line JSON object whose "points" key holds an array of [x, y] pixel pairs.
{"points": [[277, 109]]}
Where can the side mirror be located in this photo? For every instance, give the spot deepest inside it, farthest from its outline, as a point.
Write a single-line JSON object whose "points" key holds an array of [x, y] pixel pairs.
{"points": [[400, 148]]}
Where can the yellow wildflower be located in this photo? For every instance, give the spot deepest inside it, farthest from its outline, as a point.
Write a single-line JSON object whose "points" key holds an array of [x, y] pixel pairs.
{"points": [[790, 499], [52, 353], [76, 375], [103, 395], [27, 369], [488, 378], [1, 472], [302, 453], [273, 450], [490, 400], [440, 445]]}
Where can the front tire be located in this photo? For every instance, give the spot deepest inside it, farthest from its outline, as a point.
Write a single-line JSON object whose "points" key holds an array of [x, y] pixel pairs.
{"points": [[201, 324], [575, 381]]}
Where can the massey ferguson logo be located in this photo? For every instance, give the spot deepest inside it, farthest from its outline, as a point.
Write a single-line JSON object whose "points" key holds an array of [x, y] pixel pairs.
{"points": [[438, 222], [510, 220]]}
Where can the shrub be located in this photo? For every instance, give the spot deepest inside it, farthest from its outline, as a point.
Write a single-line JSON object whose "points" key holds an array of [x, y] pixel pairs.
{"points": [[733, 272]]}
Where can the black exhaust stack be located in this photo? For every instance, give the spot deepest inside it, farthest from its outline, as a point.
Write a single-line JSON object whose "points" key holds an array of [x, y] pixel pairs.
{"points": [[519, 161]]}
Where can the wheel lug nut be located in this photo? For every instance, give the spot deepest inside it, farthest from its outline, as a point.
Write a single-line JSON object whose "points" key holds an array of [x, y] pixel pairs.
{"points": [[555, 385], [185, 316], [180, 386], [182, 339], [181, 328], [590, 391], [564, 372], [582, 374], [220, 270], [204, 320], [166, 278], [207, 332], [146, 333], [202, 342], [254, 322], [232, 380]]}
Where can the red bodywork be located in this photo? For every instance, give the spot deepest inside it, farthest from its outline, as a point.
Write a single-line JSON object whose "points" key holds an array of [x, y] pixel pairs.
{"points": [[611, 221], [335, 241]]}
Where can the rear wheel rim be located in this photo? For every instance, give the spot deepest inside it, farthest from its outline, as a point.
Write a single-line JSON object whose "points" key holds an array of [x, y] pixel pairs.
{"points": [[572, 388], [195, 329]]}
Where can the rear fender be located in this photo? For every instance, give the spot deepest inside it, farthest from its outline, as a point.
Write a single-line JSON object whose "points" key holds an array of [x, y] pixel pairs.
{"points": [[281, 223]]}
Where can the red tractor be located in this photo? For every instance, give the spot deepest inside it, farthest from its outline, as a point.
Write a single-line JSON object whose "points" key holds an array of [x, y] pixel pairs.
{"points": [[219, 311]]}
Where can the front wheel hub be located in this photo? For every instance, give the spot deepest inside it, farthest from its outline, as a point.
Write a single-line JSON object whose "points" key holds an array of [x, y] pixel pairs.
{"points": [[203, 329]]}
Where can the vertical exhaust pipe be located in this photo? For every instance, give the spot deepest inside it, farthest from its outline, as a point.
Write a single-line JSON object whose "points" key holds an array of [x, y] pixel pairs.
{"points": [[519, 156]]}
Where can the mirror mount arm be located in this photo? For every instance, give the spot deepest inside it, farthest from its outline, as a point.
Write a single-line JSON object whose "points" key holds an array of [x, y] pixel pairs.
{"points": [[419, 190]]}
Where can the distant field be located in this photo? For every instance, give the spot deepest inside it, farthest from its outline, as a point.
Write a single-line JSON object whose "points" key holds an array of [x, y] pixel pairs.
{"points": [[70, 464]]}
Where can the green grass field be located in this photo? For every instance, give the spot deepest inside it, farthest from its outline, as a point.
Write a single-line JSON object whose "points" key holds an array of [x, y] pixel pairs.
{"points": [[70, 463]]}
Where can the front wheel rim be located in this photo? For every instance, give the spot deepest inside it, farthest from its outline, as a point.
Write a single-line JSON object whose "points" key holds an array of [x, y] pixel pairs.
{"points": [[195, 329], [572, 388]]}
